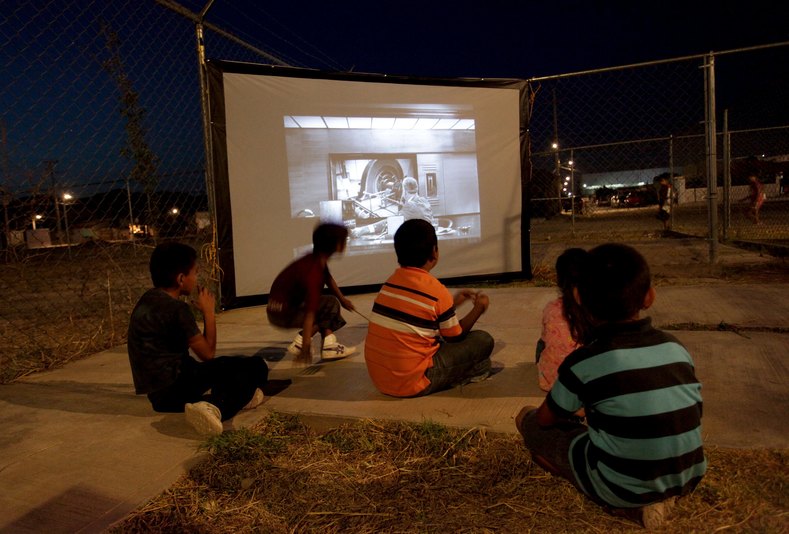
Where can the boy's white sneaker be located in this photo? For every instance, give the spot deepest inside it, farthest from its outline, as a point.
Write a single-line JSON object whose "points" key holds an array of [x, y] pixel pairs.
{"points": [[255, 401], [332, 350], [295, 345], [204, 417]]}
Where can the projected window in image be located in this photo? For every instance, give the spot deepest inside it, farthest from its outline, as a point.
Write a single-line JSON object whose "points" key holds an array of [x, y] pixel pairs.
{"points": [[342, 169]]}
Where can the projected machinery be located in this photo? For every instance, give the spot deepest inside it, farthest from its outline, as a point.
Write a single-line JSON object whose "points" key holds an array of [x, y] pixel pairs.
{"points": [[372, 194]]}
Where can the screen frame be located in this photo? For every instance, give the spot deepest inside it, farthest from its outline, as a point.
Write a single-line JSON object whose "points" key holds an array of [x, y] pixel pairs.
{"points": [[219, 180]]}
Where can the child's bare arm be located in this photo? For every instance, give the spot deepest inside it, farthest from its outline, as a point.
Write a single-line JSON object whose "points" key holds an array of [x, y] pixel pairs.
{"points": [[204, 345], [547, 418], [335, 289], [481, 303]]}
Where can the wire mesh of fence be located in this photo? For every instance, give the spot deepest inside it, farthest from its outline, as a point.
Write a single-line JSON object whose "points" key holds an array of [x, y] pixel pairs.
{"points": [[603, 141], [102, 155]]}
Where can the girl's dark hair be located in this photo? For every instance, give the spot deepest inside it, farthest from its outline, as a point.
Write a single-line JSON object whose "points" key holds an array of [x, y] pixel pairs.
{"points": [[614, 283], [168, 260], [569, 268], [414, 242], [327, 237]]}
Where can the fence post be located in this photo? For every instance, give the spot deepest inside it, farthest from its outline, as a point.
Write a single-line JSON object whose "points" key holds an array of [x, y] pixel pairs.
{"points": [[555, 147], [571, 164], [712, 156], [209, 160], [672, 184], [726, 176]]}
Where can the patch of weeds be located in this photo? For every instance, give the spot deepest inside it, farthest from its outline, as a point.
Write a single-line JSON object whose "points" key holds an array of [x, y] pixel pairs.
{"points": [[432, 437], [242, 445], [347, 439], [282, 425]]}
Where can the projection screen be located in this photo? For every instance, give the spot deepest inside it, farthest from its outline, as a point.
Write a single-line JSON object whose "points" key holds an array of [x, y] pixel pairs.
{"points": [[292, 148]]}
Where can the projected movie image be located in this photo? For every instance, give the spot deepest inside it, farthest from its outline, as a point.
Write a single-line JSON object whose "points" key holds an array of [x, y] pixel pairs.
{"points": [[294, 148], [372, 191]]}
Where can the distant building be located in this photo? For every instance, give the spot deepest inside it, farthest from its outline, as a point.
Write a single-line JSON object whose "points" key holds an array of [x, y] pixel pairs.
{"points": [[620, 179]]}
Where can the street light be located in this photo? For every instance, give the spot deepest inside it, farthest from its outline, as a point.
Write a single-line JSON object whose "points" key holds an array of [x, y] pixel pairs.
{"points": [[569, 181], [36, 218], [67, 198], [174, 211]]}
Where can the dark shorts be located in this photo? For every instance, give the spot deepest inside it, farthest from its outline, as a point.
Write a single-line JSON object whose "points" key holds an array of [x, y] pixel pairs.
{"points": [[232, 381], [552, 444], [457, 362], [327, 316]]}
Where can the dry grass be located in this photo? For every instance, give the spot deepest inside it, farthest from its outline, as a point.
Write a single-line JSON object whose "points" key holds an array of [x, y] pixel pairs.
{"points": [[61, 305], [374, 476]]}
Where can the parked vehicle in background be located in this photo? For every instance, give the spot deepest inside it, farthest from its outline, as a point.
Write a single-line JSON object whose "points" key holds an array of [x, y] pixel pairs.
{"points": [[603, 195], [567, 203], [634, 197]]}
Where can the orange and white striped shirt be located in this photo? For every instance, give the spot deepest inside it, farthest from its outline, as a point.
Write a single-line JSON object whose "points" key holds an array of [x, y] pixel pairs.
{"points": [[410, 313]]}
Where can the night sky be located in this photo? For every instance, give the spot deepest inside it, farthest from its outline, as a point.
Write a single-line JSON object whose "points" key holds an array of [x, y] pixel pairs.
{"points": [[56, 102], [495, 38]]}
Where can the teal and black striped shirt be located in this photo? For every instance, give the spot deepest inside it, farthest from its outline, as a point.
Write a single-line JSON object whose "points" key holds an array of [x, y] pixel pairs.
{"points": [[643, 407]]}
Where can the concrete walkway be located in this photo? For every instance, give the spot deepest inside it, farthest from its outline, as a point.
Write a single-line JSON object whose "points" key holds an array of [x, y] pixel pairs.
{"points": [[80, 450]]}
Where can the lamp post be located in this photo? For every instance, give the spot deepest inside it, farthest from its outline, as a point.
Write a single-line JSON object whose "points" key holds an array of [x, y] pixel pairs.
{"points": [[558, 171], [36, 218], [569, 181], [67, 198]]}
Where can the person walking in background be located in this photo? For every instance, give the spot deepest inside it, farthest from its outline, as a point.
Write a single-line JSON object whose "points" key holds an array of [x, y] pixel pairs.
{"points": [[755, 198], [295, 299], [415, 344], [643, 444], [565, 325], [664, 202], [162, 330]]}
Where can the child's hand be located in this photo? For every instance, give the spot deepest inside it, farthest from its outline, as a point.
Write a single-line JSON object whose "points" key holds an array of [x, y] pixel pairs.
{"points": [[306, 352], [463, 295], [205, 300], [481, 302], [347, 304]]}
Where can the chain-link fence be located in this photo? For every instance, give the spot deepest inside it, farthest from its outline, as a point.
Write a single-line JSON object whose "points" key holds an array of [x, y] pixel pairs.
{"points": [[606, 145], [102, 154]]}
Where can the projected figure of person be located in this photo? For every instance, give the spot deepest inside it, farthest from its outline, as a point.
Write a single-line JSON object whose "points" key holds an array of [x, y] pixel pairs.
{"points": [[415, 343], [414, 205]]}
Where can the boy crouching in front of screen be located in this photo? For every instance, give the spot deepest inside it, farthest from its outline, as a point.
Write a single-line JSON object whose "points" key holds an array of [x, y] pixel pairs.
{"points": [[642, 448]]}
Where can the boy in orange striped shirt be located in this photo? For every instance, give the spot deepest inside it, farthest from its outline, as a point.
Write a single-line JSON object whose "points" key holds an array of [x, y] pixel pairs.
{"points": [[415, 343]]}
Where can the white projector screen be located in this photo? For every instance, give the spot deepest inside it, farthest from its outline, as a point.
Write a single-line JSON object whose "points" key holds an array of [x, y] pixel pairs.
{"points": [[293, 148]]}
